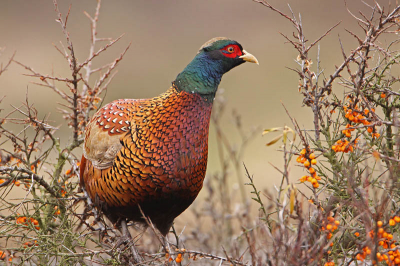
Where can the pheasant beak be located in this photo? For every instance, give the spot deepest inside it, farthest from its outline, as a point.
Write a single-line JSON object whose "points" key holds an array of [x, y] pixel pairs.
{"points": [[249, 57]]}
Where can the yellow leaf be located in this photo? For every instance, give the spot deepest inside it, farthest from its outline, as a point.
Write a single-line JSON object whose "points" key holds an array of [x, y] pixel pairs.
{"points": [[274, 140], [274, 129], [287, 130], [283, 193]]}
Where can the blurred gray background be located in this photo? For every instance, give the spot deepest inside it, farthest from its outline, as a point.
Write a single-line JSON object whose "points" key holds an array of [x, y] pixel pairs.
{"points": [[165, 36]]}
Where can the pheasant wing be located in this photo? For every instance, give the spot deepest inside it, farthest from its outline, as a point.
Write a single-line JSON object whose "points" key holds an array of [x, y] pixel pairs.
{"points": [[104, 131]]}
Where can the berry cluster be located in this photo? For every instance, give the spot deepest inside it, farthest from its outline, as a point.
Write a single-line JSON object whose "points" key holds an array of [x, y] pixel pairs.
{"points": [[178, 258], [329, 227], [30, 244], [307, 159], [24, 221], [355, 116], [390, 252], [344, 145]]}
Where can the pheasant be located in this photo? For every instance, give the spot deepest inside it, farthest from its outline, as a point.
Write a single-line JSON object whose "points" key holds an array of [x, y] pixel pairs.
{"points": [[150, 155]]}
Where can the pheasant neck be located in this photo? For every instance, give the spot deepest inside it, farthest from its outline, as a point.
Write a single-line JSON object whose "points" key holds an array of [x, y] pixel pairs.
{"points": [[201, 76]]}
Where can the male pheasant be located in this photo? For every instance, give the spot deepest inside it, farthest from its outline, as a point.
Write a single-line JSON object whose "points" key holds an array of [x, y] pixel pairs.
{"points": [[152, 153]]}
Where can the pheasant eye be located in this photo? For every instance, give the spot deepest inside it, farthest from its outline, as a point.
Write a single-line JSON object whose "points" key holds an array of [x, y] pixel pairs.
{"points": [[230, 49]]}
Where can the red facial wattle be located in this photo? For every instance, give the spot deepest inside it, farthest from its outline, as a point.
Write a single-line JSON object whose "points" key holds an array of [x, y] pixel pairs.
{"points": [[232, 51]]}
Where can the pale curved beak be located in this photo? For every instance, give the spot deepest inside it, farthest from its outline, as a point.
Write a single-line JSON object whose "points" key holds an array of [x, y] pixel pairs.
{"points": [[248, 57]]}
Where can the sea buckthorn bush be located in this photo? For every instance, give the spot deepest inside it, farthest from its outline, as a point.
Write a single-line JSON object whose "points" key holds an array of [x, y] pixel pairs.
{"points": [[350, 158]]}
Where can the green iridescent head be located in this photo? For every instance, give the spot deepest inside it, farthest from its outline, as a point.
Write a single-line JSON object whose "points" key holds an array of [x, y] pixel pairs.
{"points": [[214, 59]]}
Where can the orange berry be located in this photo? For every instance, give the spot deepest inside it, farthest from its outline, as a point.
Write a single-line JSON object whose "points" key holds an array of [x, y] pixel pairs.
{"points": [[337, 222], [380, 230], [306, 164], [311, 170], [392, 222], [383, 95], [357, 234], [315, 185], [366, 111], [379, 223], [397, 219], [17, 183], [68, 172], [389, 236], [178, 260], [2, 255], [314, 161], [37, 228], [303, 151], [298, 159], [334, 227], [329, 227], [35, 222], [312, 156], [329, 236], [334, 147]]}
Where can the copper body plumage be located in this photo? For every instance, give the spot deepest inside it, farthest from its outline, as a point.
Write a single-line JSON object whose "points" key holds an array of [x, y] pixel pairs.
{"points": [[150, 155], [163, 141]]}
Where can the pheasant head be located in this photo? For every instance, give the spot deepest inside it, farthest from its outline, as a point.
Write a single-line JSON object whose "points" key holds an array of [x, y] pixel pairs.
{"points": [[214, 59]]}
